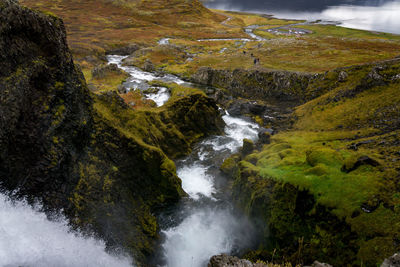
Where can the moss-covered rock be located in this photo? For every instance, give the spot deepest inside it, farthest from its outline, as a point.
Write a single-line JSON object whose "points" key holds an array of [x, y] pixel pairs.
{"points": [[247, 148], [293, 227], [229, 166]]}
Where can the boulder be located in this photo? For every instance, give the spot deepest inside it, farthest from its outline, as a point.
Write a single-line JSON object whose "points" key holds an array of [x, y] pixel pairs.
{"points": [[363, 160], [231, 261], [342, 76], [248, 147], [123, 51], [102, 71], [148, 66], [393, 261], [320, 264], [229, 166], [264, 136]]}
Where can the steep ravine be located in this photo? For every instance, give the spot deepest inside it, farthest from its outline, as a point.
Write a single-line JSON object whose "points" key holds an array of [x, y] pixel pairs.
{"points": [[107, 167]]}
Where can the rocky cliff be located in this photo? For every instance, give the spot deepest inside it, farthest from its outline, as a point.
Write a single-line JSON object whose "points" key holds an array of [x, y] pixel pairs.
{"points": [[107, 166], [257, 84]]}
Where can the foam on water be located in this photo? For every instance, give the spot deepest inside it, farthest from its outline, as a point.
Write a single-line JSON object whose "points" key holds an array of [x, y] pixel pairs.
{"points": [[199, 237], [137, 74], [164, 41], [140, 79], [236, 130], [160, 98], [195, 181], [28, 238]]}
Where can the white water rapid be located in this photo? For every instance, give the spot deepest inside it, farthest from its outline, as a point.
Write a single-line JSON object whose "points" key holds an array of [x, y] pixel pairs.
{"points": [[206, 224], [139, 80], [29, 239]]}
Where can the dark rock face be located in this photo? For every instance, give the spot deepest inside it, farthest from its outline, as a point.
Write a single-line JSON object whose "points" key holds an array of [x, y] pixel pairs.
{"points": [[148, 66], [45, 108], [243, 107], [231, 261], [257, 84], [73, 151]]}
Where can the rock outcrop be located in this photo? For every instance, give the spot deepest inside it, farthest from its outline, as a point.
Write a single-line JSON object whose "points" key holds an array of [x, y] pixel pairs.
{"points": [[106, 166], [273, 85]]}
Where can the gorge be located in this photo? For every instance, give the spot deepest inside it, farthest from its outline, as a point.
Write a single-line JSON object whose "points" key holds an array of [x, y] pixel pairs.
{"points": [[164, 142]]}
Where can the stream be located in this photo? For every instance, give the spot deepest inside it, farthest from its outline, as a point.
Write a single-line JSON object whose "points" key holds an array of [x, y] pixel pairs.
{"points": [[139, 80], [205, 223]]}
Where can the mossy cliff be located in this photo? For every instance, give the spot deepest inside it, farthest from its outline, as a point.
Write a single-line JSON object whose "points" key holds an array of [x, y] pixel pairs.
{"points": [[257, 83], [327, 189], [276, 86], [105, 165]]}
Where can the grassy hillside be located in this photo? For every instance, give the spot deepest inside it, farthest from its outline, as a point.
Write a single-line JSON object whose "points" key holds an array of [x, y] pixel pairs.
{"points": [[344, 150], [96, 26]]}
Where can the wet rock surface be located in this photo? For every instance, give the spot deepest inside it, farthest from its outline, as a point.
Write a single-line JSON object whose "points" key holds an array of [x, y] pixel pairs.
{"points": [[231, 261]]}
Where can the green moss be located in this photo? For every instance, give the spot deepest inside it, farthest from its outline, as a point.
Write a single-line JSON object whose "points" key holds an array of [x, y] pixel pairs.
{"points": [[325, 156], [230, 165], [318, 170]]}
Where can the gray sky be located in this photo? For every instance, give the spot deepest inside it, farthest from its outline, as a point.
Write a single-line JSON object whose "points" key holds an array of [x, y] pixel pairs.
{"points": [[290, 5]]}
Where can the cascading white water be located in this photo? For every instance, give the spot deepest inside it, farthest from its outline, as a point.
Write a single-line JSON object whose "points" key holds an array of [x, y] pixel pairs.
{"points": [[209, 226], [160, 98], [204, 233], [140, 79], [29, 239]]}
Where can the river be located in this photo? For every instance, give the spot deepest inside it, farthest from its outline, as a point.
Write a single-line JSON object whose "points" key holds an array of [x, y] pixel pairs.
{"points": [[374, 15], [205, 223]]}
